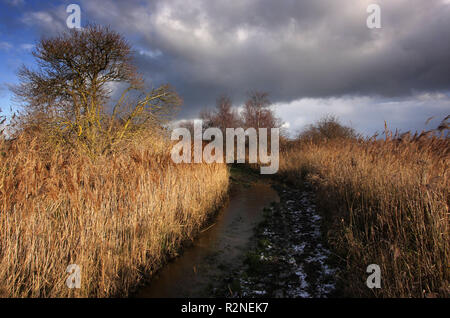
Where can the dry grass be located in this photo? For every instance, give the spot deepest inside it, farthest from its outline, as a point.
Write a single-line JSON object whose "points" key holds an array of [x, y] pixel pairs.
{"points": [[118, 217], [387, 202]]}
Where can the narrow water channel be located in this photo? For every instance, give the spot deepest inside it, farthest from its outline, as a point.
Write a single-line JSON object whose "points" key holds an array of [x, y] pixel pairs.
{"points": [[217, 250]]}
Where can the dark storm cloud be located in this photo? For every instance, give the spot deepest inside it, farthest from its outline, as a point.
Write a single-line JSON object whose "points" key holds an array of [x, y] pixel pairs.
{"points": [[292, 49]]}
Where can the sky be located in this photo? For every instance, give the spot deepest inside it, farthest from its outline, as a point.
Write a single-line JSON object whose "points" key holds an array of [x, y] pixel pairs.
{"points": [[314, 57]]}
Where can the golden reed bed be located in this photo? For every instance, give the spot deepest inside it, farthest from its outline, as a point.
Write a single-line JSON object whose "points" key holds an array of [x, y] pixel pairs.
{"points": [[117, 217], [387, 203]]}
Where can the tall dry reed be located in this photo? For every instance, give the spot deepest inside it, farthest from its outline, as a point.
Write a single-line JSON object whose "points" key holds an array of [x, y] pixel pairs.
{"points": [[117, 217], [387, 203]]}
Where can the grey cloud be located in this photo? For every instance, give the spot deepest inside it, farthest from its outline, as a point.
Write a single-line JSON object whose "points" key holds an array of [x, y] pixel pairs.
{"points": [[5, 46], [292, 49], [367, 114], [15, 2], [49, 22]]}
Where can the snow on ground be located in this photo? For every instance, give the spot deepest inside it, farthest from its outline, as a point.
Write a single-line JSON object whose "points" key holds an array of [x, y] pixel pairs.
{"points": [[290, 259]]}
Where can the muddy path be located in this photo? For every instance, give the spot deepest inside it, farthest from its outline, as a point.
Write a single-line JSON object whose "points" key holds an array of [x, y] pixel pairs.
{"points": [[289, 258], [265, 242]]}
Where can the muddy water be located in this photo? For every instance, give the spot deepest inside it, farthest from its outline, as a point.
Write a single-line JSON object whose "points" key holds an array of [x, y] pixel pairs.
{"points": [[217, 250]]}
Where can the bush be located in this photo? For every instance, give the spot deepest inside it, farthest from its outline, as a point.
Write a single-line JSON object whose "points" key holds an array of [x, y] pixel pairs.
{"points": [[328, 128]]}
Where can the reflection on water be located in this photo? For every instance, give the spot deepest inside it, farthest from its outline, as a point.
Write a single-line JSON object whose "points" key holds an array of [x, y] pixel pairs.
{"points": [[217, 249]]}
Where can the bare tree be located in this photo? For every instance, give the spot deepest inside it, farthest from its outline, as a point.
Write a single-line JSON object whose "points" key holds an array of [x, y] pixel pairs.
{"points": [[71, 88], [258, 113], [207, 116], [224, 116]]}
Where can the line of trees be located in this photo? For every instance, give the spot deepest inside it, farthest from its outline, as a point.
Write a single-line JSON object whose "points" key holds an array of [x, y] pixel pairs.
{"points": [[257, 112]]}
